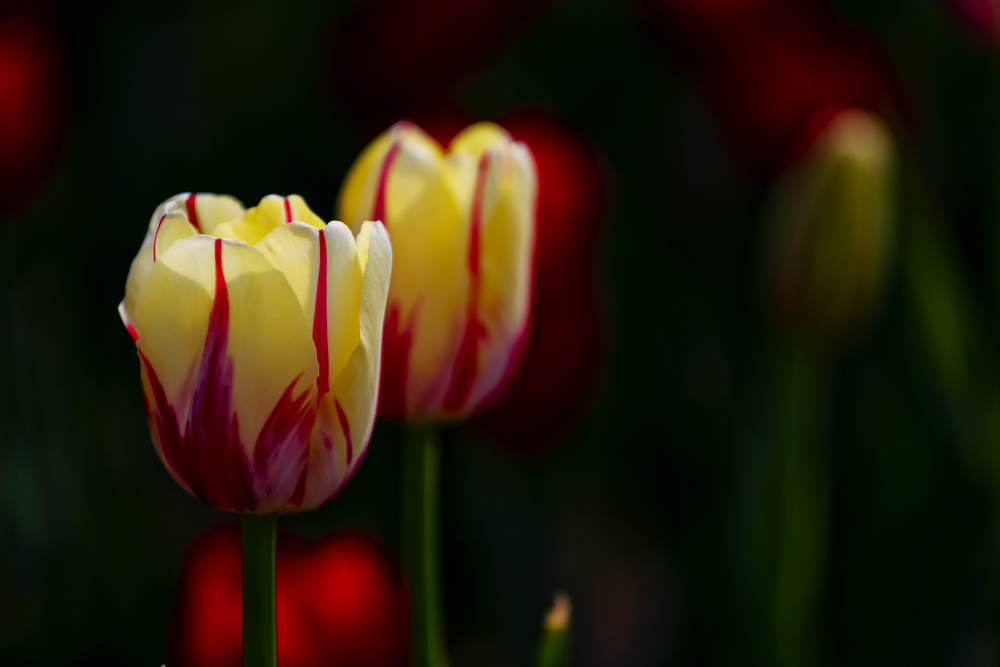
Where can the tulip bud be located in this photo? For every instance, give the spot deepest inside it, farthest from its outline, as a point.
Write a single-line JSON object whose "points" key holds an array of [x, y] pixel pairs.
{"points": [[832, 229], [462, 223], [259, 335]]}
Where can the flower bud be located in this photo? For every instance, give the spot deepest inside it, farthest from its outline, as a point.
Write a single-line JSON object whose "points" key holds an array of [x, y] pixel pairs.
{"points": [[832, 228], [259, 335], [462, 224]]}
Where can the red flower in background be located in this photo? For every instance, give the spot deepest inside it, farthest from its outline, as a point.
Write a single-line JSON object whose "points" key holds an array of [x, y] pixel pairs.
{"points": [[340, 601], [982, 16], [767, 65], [564, 346], [33, 99], [393, 57]]}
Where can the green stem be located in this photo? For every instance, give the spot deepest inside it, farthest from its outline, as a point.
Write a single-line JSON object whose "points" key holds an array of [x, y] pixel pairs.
{"points": [[804, 516], [259, 632], [421, 464]]}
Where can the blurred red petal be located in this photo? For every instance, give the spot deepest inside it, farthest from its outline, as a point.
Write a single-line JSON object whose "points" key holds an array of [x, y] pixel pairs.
{"points": [[33, 99], [339, 601], [767, 66]]}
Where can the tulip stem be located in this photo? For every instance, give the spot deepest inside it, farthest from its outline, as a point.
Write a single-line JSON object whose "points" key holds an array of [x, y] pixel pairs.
{"points": [[260, 647], [804, 518], [421, 470]]}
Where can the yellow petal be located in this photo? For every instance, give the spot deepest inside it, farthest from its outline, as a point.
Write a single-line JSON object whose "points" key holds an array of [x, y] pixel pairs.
{"points": [[347, 413], [416, 158], [224, 338], [272, 211], [206, 208], [479, 137], [295, 250]]}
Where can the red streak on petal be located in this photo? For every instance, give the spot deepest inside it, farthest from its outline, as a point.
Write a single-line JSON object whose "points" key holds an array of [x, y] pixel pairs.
{"points": [[288, 425], [397, 339], [466, 362], [320, 323], [383, 179], [346, 428], [192, 211], [209, 455], [131, 331], [300, 491], [156, 234], [288, 211]]}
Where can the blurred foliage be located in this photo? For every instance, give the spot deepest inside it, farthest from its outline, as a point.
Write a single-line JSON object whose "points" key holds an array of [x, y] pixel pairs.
{"points": [[659, 512]]}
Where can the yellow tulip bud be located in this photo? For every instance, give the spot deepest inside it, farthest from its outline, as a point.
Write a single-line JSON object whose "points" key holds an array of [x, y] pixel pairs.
{"points": [[832, 230], [259, 335], [462, 223]]}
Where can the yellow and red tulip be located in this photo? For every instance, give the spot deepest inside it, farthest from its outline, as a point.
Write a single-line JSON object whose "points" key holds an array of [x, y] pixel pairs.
{"points": [[462, 223], [259, 334]]}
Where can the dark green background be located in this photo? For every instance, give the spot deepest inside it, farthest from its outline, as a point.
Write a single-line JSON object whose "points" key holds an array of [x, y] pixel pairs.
{"points": [[655, 512]]}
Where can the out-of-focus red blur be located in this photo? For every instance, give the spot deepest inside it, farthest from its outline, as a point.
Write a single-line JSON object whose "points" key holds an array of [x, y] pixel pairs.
{"points": [[982, 16], [767, 65], [565, 342], [33, 99], [393, 57], [340, 602]]}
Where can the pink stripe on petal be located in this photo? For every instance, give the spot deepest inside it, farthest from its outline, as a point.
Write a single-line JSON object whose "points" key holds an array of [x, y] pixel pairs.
{"points": [[288, 211], [156, 235], [321, 323], [466, 362], [346, 428], [192, 211], [383, 179]]}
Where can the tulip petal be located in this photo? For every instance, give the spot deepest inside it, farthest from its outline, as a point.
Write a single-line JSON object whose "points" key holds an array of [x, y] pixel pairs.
{"points": [[295, 250], [346, 413], [476, 139], [415, 159], [203, 210], [272, 211], [230, 372], [506, 269]]}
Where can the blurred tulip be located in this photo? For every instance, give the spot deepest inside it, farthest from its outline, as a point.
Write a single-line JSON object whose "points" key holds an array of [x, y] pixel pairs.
{"points": [[565, 342], [462, 224], [768, 65], [340, 601], [33, 99], [833, 228], [982, 16], [259, 333]]}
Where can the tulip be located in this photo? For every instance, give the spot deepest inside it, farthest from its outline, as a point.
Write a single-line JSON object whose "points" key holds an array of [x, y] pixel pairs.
{"points": [[463, 228], [340, 602], [832, 228], [259, 335], [462, 223]]}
